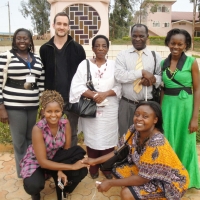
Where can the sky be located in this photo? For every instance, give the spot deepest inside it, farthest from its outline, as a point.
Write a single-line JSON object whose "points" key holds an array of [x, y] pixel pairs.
{"points": [[18, 21]]}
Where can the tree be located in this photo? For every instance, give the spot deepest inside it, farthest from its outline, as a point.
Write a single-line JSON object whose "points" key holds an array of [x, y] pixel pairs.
{"points": [[120, 19], [143, 5], [39, 11]]}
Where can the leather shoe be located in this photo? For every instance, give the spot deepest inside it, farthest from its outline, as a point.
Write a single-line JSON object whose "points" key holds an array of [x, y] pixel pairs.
{"points": [[35, 196], [94, 176], [108, 176]]}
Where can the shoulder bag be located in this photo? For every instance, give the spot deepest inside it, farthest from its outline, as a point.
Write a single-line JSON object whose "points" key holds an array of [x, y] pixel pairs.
{"points": [[120, 157], [5, 69], [155, 91], [86, 107]]}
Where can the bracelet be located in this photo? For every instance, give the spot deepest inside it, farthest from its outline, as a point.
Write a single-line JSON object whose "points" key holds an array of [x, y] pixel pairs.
{"points": [[95, 95]]}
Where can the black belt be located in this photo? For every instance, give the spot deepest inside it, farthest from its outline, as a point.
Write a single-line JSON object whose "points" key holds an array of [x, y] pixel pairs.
{"points": [[176, 91], [134, 102], [19, 84]]}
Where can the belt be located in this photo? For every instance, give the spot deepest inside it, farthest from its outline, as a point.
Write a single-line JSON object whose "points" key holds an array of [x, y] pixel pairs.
{"points": [[134, 102], [176, 91], [19, 84]]}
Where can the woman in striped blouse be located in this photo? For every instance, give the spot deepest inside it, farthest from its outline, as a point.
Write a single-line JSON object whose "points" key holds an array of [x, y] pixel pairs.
{"points": [[19, 98]]}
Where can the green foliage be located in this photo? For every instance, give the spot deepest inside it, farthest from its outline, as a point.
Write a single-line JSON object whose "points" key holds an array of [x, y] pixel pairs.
{"points": [[120, 19], [39, 12], [5, 136]]}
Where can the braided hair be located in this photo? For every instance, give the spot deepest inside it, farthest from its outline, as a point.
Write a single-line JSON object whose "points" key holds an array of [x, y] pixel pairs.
{"points": [[49, 96]]}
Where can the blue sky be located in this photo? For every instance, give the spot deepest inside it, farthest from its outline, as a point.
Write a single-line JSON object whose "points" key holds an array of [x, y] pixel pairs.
{"points": [[18, 21]]}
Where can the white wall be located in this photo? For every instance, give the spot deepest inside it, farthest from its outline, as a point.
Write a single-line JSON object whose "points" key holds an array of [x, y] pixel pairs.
{"points": [[115, 49]]}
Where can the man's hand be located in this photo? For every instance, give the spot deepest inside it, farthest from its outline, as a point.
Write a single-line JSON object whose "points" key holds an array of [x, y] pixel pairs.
{"points": [[144, 82], [149, 76]]}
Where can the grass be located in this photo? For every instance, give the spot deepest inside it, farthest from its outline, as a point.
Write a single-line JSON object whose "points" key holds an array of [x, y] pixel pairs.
{"points": [[196, 56], [5, 137]]}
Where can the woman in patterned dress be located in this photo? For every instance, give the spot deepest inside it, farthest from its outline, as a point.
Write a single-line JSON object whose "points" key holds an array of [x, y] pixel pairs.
{"points": [[153, 170]]}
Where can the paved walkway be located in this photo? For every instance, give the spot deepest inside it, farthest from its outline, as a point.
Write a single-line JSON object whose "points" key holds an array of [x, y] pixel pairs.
{"points": [[11, 188]]}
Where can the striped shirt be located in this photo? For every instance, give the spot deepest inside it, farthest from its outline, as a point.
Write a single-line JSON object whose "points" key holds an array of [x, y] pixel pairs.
{"points": [[15, 98]]}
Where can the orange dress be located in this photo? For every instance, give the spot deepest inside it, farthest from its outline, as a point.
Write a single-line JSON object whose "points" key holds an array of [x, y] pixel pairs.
{"points": [[158, 163]]}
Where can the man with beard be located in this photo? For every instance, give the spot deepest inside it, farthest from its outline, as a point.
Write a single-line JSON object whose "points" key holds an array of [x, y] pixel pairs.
{"points": [[61, 56], [134, 69]]}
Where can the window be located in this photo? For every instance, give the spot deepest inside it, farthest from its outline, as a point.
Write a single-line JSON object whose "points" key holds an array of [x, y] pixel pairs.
{"points": [[165, 24], [165, 9], [159, 9], [156, 24]]}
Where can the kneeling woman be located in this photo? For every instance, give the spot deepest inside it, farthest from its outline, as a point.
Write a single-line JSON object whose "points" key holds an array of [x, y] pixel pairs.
{"points": [[153, 170], [51, 137]]}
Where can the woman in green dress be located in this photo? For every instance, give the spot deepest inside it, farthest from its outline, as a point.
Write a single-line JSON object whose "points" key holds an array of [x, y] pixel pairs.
{"points": [[181, 100]]}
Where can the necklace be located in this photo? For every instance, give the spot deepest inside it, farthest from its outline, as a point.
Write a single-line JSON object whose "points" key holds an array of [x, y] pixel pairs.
{"points": [[140, 147], [25, 59], [172, 73]]}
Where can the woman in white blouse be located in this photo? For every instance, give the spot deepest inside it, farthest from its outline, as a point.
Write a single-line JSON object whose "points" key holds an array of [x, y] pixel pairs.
{"points": [[100, 133]]}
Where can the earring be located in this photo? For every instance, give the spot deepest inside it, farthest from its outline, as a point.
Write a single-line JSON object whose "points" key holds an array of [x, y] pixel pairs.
{"points": [[93, 56], [107, 56]]}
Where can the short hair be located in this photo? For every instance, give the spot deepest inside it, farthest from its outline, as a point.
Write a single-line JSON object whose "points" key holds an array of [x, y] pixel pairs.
{"points": [[175, 31], [49, 96], [14, 46], [100, 36], [157, 110], [140, 25], [61, 14]]}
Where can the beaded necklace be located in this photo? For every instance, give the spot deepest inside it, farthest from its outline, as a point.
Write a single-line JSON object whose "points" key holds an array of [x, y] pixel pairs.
{"points": [[140, 147], [172, 73], [99, 73]]}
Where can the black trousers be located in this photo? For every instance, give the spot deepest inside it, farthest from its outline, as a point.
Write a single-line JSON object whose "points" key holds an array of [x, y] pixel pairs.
{"points": [[35, 183]]}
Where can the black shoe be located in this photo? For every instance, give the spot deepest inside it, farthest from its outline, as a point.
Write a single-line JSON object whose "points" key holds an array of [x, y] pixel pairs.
{"points": [[94, 176], [35, 196], [108, 176]]}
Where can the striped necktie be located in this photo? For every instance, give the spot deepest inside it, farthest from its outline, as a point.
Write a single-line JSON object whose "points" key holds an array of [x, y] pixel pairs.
{"points": [[139, 66]]}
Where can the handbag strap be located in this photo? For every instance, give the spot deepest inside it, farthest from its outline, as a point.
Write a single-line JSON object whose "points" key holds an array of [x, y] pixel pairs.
{"points": [[129, 137], [154, 56], [89, 77], [89, 83]]}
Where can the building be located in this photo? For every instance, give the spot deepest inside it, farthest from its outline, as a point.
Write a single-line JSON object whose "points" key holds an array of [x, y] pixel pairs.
{"points": [[87, 18], [160, 18], [6, 36]]}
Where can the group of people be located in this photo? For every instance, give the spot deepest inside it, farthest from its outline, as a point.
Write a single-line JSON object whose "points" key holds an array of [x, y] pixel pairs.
{"points": [[162, 162]]}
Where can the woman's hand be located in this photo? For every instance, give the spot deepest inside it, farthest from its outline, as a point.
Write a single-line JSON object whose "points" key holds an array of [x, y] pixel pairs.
{"points": [[78, 165], [63, 177], [88, 161], [100, 97], [193, 126], [104, 186], [3, 114]]}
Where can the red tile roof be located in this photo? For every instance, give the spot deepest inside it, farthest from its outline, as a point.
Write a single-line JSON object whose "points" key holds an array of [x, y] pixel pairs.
{"points": [[177, 16]]}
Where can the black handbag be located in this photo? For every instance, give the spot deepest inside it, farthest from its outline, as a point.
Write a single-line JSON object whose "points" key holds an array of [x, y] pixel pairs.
{"points": [[86, 107], [120, 157], [156, 91]]}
